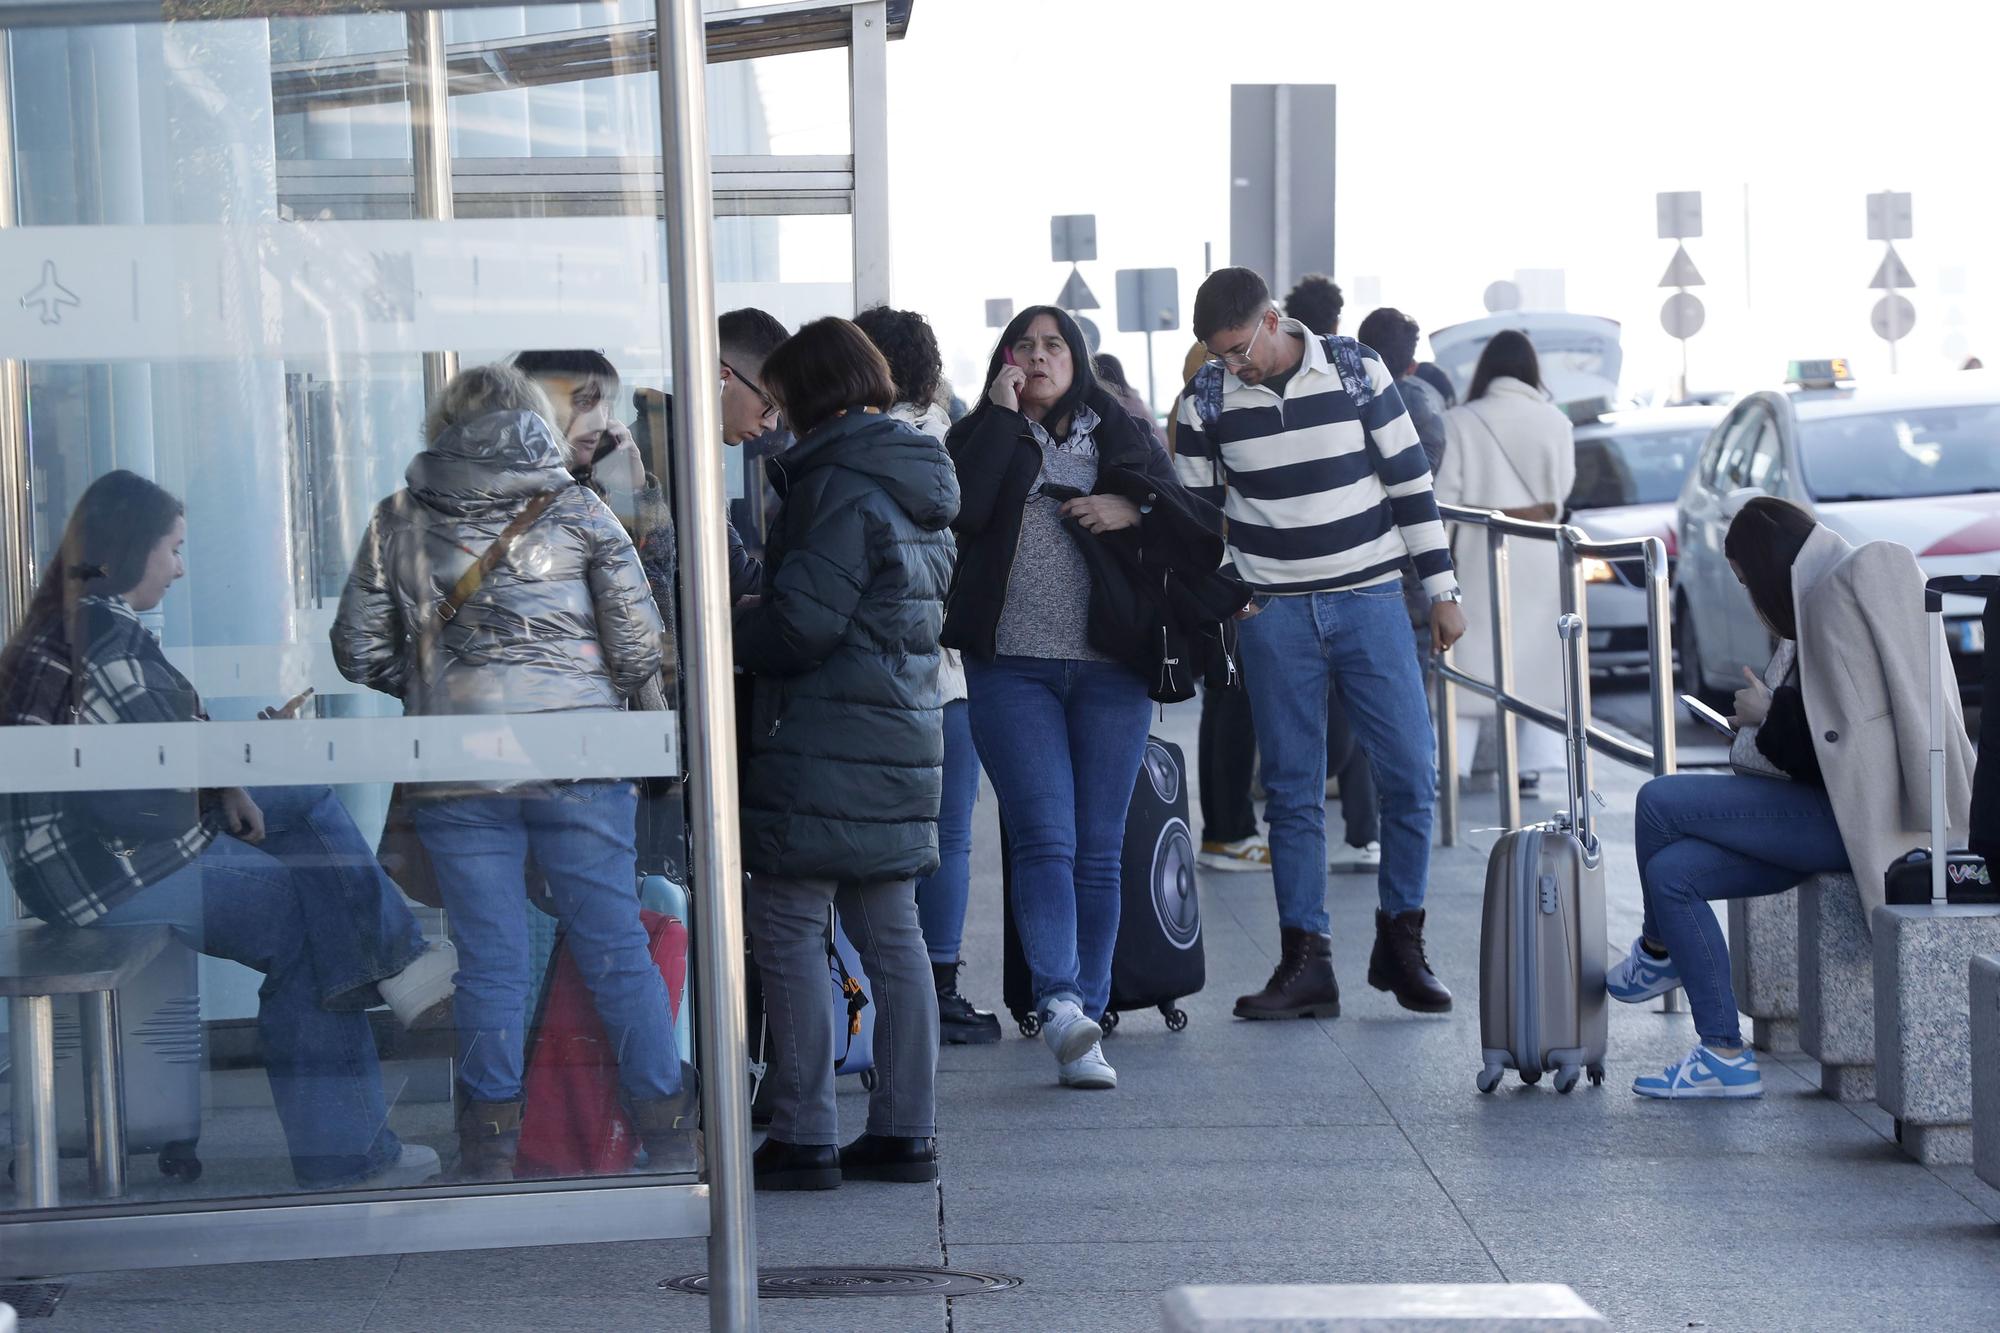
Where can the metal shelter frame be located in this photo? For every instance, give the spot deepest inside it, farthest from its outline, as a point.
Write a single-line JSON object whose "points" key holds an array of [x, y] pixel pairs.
{"points": [[689, 188]]}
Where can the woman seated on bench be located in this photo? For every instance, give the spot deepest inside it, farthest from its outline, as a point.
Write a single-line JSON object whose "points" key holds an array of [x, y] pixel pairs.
{"points": [[279, 880], [1832, 773]]}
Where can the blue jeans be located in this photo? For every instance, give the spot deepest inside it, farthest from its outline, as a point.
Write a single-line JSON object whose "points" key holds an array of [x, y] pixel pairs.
{"points": [[311, 910], [941, 896], [1062, 742], [581, 835], [1359, 641], [1704, 836]]}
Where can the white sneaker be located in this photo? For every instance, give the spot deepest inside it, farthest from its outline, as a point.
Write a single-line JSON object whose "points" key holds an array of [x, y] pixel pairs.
{"points": [[1251, 853], [420, 994], [1357, 860], [1089, 1070], [416, 1165], [1067, 1031]]}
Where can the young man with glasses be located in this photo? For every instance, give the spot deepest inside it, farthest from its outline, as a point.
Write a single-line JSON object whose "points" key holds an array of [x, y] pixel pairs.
{"points": [[1305, 444]]}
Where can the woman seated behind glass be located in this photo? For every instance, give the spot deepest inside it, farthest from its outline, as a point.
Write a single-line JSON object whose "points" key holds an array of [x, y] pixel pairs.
{"points": [[562, 622], [278, 879]]}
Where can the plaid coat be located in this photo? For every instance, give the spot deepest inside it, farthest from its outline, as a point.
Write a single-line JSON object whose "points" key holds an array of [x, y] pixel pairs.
{"points": [[74, 856]]}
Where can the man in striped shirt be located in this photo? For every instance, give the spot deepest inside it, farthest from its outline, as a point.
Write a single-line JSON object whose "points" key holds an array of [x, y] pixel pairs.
{"points": [[1305, 444]]}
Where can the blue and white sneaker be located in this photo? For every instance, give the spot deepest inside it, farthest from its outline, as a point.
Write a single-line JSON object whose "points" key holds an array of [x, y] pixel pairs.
{"points": [[1703, 1073], [1638, 976], [1067, 1030]]}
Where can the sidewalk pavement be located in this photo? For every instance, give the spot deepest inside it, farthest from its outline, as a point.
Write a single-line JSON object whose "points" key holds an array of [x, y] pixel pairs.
{"points": [[1353, 1150]]}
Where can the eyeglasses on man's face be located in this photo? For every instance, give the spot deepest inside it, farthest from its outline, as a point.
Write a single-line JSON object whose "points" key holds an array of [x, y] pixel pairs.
{"points": [[1238, 360], [770, 404]]}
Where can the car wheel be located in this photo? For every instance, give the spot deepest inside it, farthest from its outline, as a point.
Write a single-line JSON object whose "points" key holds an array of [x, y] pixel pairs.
{"points": [[1688, 649]]}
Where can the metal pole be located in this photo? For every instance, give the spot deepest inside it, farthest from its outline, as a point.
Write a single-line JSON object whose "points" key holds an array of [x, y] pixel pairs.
{"points": [[1889, 307], [868, 100], [17, 509], [1506, 758], [1940, 831], [1447, 732], [1152, 384], [31, 1033], [1659, 640], [707, 672], [104, 1093], [1281, 188], [430, 152]]}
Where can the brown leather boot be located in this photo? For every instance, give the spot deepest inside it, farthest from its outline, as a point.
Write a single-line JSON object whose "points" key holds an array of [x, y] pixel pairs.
{"points": [[489, 1138], [669, 1128], [1302, 985], [1398, 964]]}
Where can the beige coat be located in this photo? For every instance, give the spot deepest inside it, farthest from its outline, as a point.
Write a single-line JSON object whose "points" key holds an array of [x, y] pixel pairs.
{"points": [[1864, 669]]}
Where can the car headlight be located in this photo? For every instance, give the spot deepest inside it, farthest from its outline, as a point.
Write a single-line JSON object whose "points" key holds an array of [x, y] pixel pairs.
{"points": [[1598, 571]]}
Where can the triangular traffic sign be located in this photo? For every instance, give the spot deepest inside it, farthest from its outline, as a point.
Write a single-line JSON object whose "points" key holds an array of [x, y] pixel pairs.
{"points": [[1076, 293], [1892, 274], [1681, 271]]}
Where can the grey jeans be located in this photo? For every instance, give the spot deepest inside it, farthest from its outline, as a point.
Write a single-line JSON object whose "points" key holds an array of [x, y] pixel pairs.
{"points": [[788, 940]]}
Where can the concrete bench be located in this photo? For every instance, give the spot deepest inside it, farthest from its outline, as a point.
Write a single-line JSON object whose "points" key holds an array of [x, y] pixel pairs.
{"points": [[1837, 986], [1923, 1036], [40, 962], [1400, 1308], [1764, 967], [1985, 994]]}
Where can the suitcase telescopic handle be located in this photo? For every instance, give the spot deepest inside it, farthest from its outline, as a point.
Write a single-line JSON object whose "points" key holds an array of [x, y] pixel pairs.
{"points": [[1962, 585], [1575, 734], [1935, 591]]}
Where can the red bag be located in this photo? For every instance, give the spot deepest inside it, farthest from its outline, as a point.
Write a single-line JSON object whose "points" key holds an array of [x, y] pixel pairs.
{"points": [[572, 1123]]}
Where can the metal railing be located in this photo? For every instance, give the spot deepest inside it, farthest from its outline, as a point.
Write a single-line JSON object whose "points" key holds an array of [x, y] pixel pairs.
{"points": [[1572, 548]]}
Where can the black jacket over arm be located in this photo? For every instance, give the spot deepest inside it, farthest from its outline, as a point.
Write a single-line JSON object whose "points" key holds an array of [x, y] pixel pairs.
{"points": [[998, 462]]}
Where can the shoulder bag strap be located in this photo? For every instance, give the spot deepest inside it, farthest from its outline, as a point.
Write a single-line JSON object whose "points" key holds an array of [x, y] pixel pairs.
{"points": [[489, 559], [1501, 447]]}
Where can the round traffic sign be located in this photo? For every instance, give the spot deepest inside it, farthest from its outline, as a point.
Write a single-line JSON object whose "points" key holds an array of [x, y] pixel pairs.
{"points": [[1091, 336], [1502, 295], [1682, 315], [1893, 317]]}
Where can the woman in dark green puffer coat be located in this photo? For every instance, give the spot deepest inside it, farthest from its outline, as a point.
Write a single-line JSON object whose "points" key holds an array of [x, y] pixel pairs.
{"points": [[843, 769]]}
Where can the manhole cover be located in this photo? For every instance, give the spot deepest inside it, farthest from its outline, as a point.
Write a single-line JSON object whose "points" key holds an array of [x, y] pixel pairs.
{"points": [[32, 1300], [859, 1280]]}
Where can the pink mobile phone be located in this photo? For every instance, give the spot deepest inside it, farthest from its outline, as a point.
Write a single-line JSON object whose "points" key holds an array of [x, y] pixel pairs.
{"points": [[1008, 353]]}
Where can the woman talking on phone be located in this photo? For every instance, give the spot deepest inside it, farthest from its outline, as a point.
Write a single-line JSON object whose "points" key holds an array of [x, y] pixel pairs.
{"points": [[1059, 714], [1831, 760]]}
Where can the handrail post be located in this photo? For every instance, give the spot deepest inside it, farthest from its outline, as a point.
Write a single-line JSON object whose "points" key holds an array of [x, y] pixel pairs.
{"points": [[707, 677], [1506, 756], [1447, 750], [1660, 639]]}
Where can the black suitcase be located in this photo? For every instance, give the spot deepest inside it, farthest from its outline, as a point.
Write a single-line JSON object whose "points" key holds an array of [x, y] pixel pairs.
{"points": [[1158, 959]]}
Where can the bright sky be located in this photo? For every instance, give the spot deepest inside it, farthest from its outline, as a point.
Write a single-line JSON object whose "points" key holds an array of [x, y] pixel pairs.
{"points": [[1474, 140]]}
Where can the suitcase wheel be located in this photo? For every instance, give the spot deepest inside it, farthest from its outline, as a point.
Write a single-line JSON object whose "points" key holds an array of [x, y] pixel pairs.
{"points": [[1596, 1076], [1110, 1023], [1533, 1078], [179, 1161], [1489, 1078], [868, 1079], [1030, 1023], [1566, 1077], [1176, 1018]]}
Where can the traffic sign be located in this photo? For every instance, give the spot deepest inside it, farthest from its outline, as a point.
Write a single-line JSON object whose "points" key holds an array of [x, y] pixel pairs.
{"points": [[1680, 218], [1091, 337], [1148, 299], [1502, 295], [1076, 294], [1681, 271], [999, 312], [1682, 316], [1893, 317], [1073, 237], [1889, 216], [1892, 275]]}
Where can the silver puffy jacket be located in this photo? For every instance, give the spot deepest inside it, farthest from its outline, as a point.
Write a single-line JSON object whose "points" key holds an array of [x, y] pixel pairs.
{"points": [[566, 622]]}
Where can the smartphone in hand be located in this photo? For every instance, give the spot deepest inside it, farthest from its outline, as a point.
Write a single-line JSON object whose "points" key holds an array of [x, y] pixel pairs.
{"points": [[290, 708], [1707, 716]]}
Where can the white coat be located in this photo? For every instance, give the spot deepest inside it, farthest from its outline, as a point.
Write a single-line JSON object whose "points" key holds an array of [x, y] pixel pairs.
{"points": [[934, 422], [1511, 449]]}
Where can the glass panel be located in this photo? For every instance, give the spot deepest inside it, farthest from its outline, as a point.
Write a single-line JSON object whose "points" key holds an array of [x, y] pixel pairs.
{"points": [[1896, 455], [243, 502], [1630, 468]]}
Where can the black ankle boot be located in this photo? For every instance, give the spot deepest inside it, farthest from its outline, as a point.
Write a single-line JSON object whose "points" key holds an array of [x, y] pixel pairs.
{"points": [[670, 1127], [959, 1024], [1302, 985], [1398, 964], [878, 1157], [489, 1139], [777, 1165]]}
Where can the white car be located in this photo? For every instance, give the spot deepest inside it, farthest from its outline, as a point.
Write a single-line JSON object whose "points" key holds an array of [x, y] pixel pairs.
{"points": [[1630, 467], [1916, 464]]}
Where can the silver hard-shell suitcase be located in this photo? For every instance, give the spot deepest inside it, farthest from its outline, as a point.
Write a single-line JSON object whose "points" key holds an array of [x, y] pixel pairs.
{"points": [[1541, 943]]}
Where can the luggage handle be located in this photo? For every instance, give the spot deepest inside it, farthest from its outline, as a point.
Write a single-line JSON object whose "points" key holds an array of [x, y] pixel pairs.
{"points": [[1576, 736], [1935, 591]]}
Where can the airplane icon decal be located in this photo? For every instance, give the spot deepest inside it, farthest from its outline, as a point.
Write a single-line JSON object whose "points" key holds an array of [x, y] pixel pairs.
{"points": [[51, 295]]}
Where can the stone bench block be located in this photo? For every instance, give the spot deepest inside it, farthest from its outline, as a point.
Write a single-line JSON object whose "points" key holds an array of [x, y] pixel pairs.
{"points": [[1399, 1308], [1985, 992], [1764, 967], [1923, 1032], [1837, 986]]}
